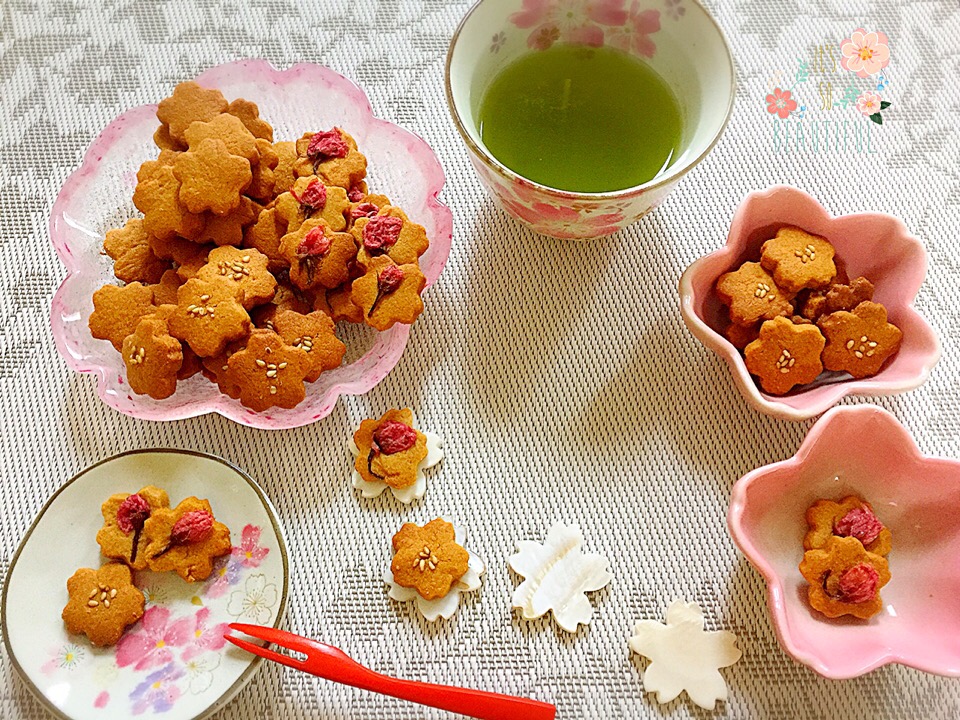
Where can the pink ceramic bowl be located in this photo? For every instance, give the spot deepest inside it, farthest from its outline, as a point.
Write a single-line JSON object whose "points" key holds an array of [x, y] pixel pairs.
{"points": [[99, 195], [917, 497], [874, 245]]}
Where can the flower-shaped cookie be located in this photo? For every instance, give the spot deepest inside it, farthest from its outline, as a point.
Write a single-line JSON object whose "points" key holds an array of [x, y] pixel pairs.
{"points": [[872, 245], [265, 235], [366, 206], [157, 196], [211, 178], [318, 257], [785, 354], [390, 450], [367, 462], [859, 342], [314, 334], [915, 496], [103, 603], [117, 311], [683, 656], [189, 103], [245, 270], [388, 294], [268, 372], [844, 578], [558, 574], [228, 229], [230, 130], [185, 539], [752, 295], [850, 517], [249, 114], [121, 537], [208, 317], [798, 260], [431, 567], [310, 198], [133, 259], [153, 358], [390, 232], [333, 156]]}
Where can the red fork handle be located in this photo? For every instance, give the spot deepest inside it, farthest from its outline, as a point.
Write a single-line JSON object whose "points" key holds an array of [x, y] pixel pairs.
{"points": [[472, 703]]}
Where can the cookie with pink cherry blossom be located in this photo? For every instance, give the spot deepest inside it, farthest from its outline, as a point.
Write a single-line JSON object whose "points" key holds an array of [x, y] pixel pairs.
{"points": [[558, 574]]}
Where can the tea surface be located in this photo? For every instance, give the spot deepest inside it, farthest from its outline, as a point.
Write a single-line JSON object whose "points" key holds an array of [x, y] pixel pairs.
{"points": [[581, 119]]}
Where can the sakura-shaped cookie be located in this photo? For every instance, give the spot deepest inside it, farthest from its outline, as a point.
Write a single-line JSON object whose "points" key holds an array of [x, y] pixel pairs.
{"points": [[683, 656], [392, 453], [431, 567], [558, 573]]}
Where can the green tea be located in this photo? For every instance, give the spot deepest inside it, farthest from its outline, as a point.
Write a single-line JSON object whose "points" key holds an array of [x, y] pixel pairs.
{"points": [[581, 119]]}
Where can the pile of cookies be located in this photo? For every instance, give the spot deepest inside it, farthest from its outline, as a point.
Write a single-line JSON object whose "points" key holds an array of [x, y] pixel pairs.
{"points": [[248, 253], [795, 313], [141, 532], [845, 559]]}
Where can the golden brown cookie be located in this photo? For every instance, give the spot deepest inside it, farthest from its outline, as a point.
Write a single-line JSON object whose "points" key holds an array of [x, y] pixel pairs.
{"points": [[845, 579], [752, 295], [859, 342], [263, 174], [850, 517], [265, 235], [785, 355], [208, 316], [157, 196], [185, 539], [249, 115], [314, 334], [310, 198], [389, 293], [162, 139], [228, 229], [211, 178], [391, 449], [318, 256], [121, 537], [847, 296], [117, 311], [228, 129], [216, 368], [103, 603], [134, 261], [342, 307], [428, 559], [268, 372], [332, 155], [153, 359], [243, 269], [798, 260], [365, 206], [741, 335], [188, 104], [390, 232], [284, 174]]}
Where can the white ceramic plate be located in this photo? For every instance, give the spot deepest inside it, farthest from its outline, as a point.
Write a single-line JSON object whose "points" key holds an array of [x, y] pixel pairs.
{"points": [[174, 662]]}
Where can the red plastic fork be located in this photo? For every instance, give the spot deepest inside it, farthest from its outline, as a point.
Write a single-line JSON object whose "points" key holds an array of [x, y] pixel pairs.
{"points": [[331, 663]]}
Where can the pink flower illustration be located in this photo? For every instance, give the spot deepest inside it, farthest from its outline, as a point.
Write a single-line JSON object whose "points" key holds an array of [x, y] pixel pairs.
{"points": [[203, 636], [865, 53], [868, 103], [152, 643], [780, 103], [250, 552], [634, 34], [158, 692], [575, 21]]}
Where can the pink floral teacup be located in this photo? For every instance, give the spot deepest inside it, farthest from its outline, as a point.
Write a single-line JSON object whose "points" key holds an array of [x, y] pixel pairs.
{"points": [[677, 38]]}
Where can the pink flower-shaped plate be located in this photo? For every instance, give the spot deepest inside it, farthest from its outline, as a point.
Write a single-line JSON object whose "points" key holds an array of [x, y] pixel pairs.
{"points": [[860, 451], [874, 245], [98, 196]]}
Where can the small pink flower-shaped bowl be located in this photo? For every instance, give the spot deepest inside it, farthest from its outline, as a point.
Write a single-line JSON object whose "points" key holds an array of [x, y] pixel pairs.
{"points": [[99, 196], [873, 245], [917, 497]]}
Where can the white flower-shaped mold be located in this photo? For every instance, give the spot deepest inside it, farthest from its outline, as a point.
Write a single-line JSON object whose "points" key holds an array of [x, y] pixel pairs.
{"points": [[410, 493], [446, 606], [683, 656], [558, 573]]}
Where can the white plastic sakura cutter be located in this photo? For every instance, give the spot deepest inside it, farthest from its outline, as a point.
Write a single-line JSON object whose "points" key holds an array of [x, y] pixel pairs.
{"points": [[557, 575], [407, 494], [446, 606], [685, 657]]}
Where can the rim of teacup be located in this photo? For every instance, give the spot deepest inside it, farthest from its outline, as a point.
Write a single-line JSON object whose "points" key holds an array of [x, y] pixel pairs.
{"points": [[672, 175]]}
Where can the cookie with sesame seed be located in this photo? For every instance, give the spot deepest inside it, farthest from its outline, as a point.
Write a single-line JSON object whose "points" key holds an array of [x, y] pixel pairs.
{"points": [[102, 603], [268, 372], [245, 270], [117, 311], [860, 341], [208, 317], [798, 260], [153, 358], [752, 295], [314, 334], [784, 355]]}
